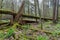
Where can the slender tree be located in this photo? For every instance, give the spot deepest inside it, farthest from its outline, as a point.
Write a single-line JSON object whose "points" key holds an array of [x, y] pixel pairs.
{"points": [[1, 7], [55, 11], [39, 13], [1, 3]]}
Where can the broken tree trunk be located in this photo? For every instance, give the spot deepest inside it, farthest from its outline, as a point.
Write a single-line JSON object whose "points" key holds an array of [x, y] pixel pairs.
{"points": [[20, 12]]}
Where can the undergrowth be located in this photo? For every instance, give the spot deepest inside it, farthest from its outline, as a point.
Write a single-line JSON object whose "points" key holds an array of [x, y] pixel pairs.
{"points": [[28, 32]]}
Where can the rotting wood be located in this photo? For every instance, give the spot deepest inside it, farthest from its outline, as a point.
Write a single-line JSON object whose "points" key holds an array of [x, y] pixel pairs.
{"points": [[2, 11]]}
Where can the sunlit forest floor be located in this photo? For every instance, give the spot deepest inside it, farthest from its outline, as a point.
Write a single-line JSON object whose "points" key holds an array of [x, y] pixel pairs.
{"points": [[50, 31]]}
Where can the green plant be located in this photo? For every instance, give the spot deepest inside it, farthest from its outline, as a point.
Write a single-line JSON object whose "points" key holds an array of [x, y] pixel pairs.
{"points": [[42, 37], [1, 35], [9, 33]]}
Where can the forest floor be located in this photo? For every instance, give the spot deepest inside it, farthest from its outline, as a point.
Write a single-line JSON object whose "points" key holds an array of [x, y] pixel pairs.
{"points": [[50, 31]]}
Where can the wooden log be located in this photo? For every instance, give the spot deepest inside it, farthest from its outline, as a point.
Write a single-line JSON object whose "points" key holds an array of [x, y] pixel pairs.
{"points": [[2, 11], [4, 23]]}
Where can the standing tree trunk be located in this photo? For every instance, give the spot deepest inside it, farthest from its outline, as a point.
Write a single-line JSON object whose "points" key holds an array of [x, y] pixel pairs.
{"points": [[39, 14], [1, 3], [55, 11], [1, 7]]}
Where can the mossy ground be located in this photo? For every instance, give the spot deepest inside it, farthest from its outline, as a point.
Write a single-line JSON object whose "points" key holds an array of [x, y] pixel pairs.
{"points": [[31, 32]]}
